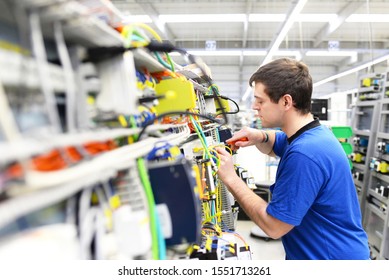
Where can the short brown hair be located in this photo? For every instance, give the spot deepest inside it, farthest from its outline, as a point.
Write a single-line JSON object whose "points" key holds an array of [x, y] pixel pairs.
{"points": [[286, 76]]}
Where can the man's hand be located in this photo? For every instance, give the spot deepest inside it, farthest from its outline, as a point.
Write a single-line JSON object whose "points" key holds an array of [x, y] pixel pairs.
{"points": [[244, 138], [226, 171]]}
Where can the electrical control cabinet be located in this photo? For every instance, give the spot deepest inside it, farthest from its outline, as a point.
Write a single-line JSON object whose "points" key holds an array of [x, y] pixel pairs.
{"points": [[113, 146], [370, 159]]}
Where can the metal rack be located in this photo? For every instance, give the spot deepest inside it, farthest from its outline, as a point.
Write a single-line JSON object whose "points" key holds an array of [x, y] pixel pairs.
{"points": [[67, 29], [370, 117]]}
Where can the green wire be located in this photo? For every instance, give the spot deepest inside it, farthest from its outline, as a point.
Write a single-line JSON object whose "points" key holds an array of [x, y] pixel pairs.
{"points": [[201, 135], [198, 132], [169, 59], [163, 62], [151, 205]]}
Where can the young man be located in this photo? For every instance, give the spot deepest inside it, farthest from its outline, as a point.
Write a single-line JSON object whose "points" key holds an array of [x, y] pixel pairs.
{"points": [[314, 206]]}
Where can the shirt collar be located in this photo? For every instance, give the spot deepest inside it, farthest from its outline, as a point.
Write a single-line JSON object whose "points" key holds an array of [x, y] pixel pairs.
{"points": [[306, 127]]}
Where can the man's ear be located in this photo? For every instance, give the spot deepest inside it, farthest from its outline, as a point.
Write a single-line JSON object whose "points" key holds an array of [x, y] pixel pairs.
{"points": [[287, 100]]}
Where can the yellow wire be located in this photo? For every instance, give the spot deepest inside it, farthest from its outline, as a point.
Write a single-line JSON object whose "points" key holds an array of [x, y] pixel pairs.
{"points": [[228, 148], [149, 29], [240, 237]]}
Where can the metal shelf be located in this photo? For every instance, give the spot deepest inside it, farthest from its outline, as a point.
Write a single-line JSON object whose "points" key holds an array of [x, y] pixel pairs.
{"points": [[382, 135], [362, 132], [372, 89], [23, 71], [366, 103], [46, 188], [143, 59], [382, 177], [378, 196], [358, 183], [78, 25], [359, 165], [376, 211]]}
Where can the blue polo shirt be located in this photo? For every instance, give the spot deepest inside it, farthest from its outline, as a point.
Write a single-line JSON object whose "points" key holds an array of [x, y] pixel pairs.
{"points": [[315, 192]]}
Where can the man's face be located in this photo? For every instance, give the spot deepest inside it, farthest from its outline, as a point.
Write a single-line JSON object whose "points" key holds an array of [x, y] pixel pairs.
{"points": [[270, 113]]}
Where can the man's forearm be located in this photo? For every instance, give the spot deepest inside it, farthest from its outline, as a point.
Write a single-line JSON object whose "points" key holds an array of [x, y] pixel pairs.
{"points": [[267, 147]]}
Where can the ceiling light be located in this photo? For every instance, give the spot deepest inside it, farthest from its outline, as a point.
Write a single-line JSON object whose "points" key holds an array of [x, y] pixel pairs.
{"points": [[368, 18], [331, 53], [302, 17], [215, 53], [352, 70], [254, 53], [317, 17], [203, 18], [230, 18], [137, 18], [266, 17], [352, 54], [238, 52], [285, 29], [295, 54]]}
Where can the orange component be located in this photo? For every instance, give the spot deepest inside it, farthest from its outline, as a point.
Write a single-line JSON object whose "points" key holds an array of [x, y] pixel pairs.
{"points": [[14, 171], [94, 148], [49, 162], [244, 139], [73, 154]]}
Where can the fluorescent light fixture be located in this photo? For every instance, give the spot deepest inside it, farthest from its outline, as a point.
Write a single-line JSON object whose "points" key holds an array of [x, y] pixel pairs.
{"points": [[352, 54], [352, 70], [203, 18], [238, 52], [216, 53], [331, 53], [295, 54], [235, 18], [137, 18], [254, 53], [317, 17], [267, 17], [368, 18], [302, 17], [212, 53], [285, 29]]}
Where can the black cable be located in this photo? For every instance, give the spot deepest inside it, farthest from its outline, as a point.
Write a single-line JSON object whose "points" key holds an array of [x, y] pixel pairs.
{"points": [[101, 53], [150, 122], [96, 54], [233, 101], [193, 59]]}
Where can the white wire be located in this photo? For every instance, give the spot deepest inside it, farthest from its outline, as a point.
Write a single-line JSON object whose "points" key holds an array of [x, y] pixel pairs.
{"points": [[7, 121]]}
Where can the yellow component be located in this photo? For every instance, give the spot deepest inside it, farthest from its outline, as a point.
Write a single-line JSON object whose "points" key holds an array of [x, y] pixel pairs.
{"points": [[149, 84], [140, 85], [94, 198], [175, 151], [114, 202], [208, 244], [123, 121], [179, 95], [199, 188], [197, 149], [224, 103], [358, 158], [232, 248], [366, 82], [108, 216], [384, 167], [189, 251], [5, 45], [90, 100]]}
